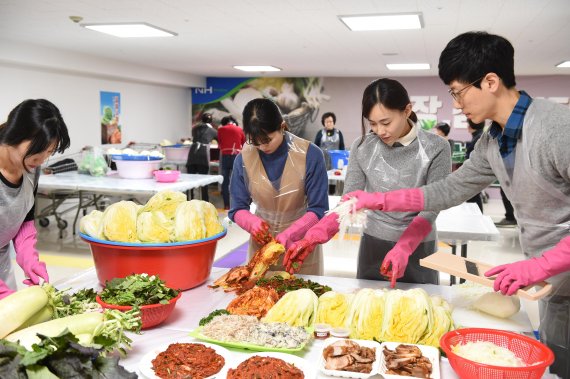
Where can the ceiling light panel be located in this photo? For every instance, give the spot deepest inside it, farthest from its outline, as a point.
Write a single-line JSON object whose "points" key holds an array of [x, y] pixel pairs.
{"points": [[408, 66], [565, 64], [130, 30], [401, 21], [257, 68]]}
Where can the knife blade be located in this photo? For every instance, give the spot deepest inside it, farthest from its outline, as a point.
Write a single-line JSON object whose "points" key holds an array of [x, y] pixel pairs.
{"points": [[471, 267]]}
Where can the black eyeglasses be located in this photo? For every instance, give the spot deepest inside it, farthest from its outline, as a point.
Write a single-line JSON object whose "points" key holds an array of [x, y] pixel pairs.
{"points": [[259, 141], [457, 94]]}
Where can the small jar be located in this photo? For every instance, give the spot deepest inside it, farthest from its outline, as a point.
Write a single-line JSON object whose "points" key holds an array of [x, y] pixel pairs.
{"points": [[340, 332], [322, 331]]}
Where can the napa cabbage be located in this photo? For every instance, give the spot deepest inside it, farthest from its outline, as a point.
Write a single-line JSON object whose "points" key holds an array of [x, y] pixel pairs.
{"points": [[407, 315], [364, 319], [91, 224], [154, 227], [211, 219], [188, 221], [165, 201], [119, 222], [439, 324], [296, 308], [333, 308]]}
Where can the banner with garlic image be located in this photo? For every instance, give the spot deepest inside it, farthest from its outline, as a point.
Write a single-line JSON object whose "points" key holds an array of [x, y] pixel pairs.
{"points": [[298, 98]]}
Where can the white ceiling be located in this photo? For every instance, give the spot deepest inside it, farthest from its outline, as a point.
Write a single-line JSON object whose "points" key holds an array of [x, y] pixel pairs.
{"points": [[303, 37]]}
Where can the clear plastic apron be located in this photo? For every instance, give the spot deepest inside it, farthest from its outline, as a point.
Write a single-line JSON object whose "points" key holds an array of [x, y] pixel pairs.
{"points": [[284, 201], [383, 177], [384, 229], [329, 143], [539, 233]]}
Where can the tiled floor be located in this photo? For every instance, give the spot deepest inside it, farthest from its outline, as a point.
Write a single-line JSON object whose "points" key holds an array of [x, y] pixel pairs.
{"points": [[69, 254]]}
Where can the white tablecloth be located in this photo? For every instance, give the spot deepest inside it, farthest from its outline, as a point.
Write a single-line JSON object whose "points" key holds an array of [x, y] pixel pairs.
{"points": [[115, 185], [199, 302]]}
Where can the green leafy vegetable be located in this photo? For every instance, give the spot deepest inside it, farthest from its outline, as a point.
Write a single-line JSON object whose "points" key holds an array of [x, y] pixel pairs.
{"points": [[137, 290], [282, 285], [209, 317], [58, 357], [66, 304]]}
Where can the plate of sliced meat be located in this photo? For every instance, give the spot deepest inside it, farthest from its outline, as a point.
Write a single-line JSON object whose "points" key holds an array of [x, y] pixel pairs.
{"points": [[348, 358], [409, 360]]}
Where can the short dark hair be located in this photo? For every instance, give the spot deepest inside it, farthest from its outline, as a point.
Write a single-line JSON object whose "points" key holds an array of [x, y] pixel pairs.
{"points": [[472, 55], [227, 119], [327, 115], [444, 127], [207, 118], [37, 121], [388, 92], [260, 118], [475, 126]]}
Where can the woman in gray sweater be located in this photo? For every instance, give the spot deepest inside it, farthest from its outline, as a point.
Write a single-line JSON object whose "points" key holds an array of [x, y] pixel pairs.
{"points": [[393, 153]]}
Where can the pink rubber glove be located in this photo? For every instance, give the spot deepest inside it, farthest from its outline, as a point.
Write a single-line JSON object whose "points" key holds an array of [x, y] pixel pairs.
{"points": [[297, 230], [5, 290], [257, 227], [27, 255], [520, 274], [322, 232], [395, 262], [402, 200]]}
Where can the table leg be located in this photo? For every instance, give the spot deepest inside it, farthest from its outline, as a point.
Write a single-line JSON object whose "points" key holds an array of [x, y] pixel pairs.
{"points": [[454, 252], [464, 255], [79, 207]]}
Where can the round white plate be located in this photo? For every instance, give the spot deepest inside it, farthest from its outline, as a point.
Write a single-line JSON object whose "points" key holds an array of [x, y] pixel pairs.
{"points": [[302, 364], [145, 365]]}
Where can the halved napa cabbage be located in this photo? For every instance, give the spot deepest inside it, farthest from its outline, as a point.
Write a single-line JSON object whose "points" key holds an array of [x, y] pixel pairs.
{"points": [[91, 224], [296, 308], [439, 324], [188, 221], [211, 219], [120, 222], [364, 318], [154, 227], [333, 308], [406, 315], [164, 201]]}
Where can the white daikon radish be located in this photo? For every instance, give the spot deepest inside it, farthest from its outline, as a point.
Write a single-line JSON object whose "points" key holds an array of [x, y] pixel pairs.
{"points": [[18, 307], [498, 305], [348, 215]]}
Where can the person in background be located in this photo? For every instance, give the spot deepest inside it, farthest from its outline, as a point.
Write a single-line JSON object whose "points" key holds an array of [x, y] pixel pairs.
{"points": [[476, 131], [199, 155], [286, 178], [442, 129], [396, 154], [510, 219], [34, 131], [231, 139], [329, 138], [526, 149]]}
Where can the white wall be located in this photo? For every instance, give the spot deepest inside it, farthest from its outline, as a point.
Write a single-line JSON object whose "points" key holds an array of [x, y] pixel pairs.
{"points": [[155, 104]]}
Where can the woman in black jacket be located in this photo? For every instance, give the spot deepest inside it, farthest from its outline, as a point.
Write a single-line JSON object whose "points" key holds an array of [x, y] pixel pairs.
{"points": [[199, 155]]}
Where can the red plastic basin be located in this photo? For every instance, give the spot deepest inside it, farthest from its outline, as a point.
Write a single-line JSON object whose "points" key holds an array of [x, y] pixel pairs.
{"points": [[182, 265]]}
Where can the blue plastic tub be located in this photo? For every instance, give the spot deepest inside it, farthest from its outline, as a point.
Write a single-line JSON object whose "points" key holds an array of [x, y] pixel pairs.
{"points": [[337, 155]]}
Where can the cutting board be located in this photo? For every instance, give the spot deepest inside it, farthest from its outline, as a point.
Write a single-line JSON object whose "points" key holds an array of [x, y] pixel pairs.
{"points": [[455, 265]]}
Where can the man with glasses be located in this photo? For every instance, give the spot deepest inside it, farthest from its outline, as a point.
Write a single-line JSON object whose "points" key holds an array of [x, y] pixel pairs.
{"points": [[527, 150]]}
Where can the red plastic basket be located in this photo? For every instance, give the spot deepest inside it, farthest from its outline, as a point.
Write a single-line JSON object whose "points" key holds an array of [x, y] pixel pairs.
{"points": [[151, 315], [535, 354]]}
